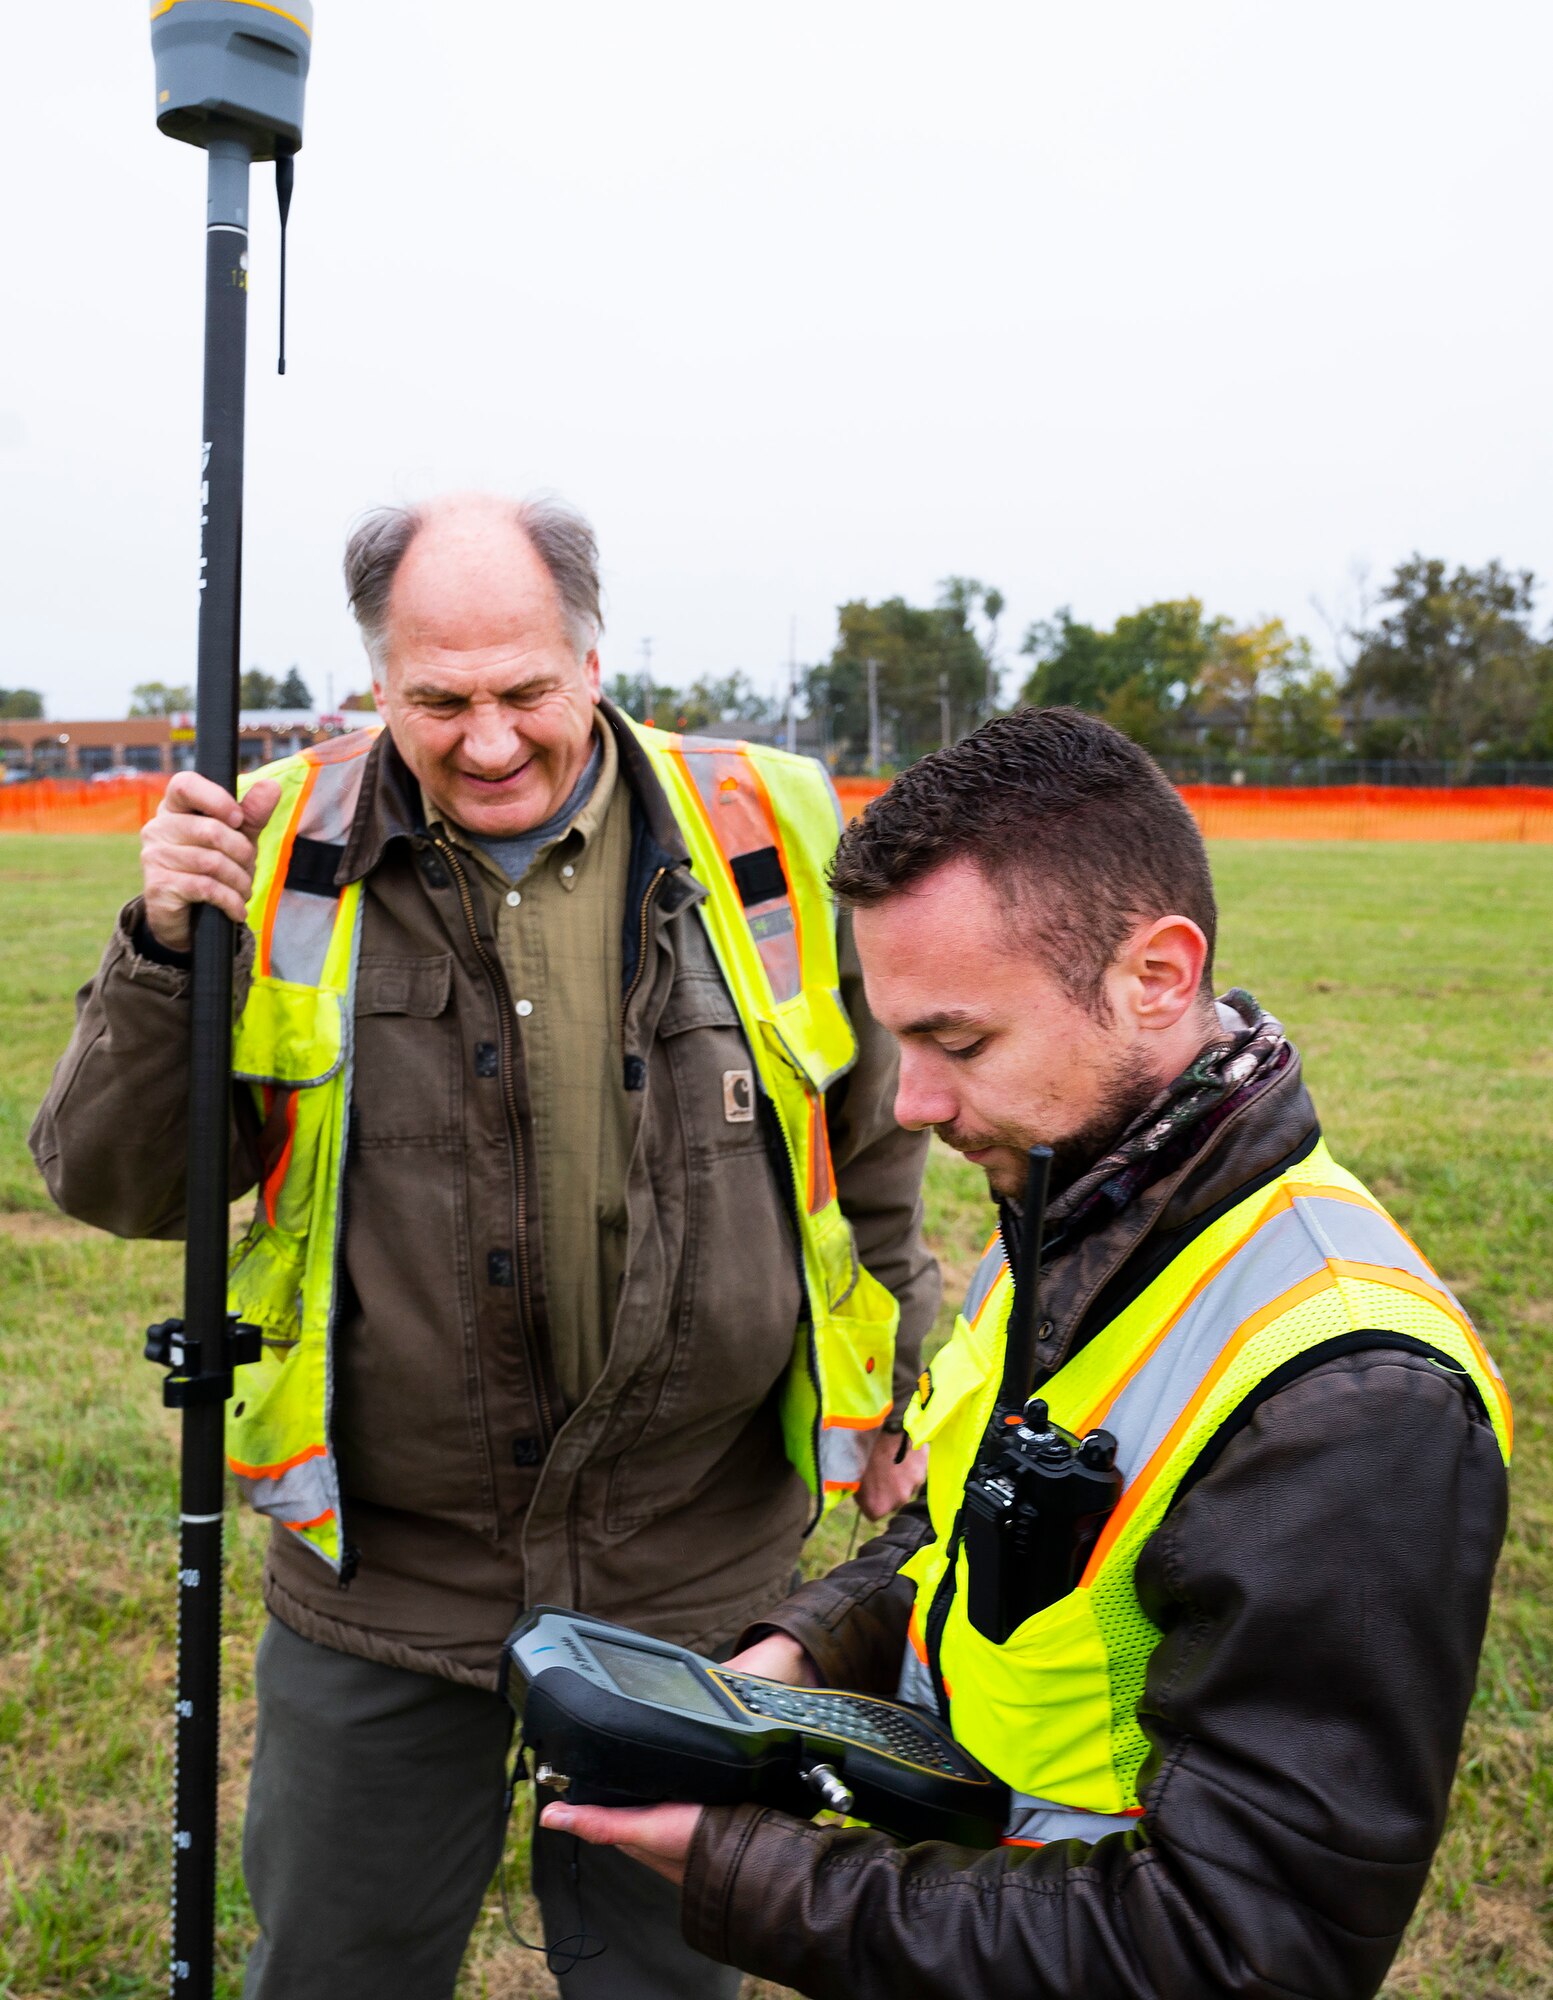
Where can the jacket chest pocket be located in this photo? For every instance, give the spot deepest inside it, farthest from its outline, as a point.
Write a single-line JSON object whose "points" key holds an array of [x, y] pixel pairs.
{"points": [[716, 1092], [407, 1075], [737, 1257]]}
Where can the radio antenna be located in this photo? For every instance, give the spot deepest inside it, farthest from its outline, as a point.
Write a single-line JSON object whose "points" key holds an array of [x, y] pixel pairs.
{"points": [[1023, 1318]]}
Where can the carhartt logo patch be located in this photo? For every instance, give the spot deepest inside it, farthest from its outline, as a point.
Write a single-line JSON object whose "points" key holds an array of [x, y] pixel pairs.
{"points": [[739, 1096]]}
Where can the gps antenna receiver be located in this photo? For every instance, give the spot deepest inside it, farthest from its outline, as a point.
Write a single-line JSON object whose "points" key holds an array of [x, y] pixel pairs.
{"points": [[230, 76]]}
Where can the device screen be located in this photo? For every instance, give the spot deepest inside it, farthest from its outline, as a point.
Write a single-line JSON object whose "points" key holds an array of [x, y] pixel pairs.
{"points": [[656, 1677]]}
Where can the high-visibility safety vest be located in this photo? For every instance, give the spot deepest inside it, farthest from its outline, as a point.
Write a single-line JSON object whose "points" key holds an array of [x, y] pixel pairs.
{"points": [[1306, 1267], [761, 827]]}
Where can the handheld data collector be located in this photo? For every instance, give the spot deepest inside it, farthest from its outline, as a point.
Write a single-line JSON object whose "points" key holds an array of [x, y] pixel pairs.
{"points": [[617, 1719]]}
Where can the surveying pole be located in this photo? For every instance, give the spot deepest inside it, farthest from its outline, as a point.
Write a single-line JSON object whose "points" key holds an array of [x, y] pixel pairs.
{"points": [[230, 76]]}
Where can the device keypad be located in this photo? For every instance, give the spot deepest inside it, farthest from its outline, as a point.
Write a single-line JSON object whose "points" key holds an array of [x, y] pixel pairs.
{"points": [[874, 1724]]}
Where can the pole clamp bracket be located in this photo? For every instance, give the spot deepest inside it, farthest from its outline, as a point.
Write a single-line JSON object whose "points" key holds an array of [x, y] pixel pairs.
{"points": [[192, 1377]]}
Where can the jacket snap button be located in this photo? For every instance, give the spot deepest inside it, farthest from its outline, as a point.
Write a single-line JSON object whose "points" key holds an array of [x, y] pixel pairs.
{"points": [[636, 1073], [525, 1007], [527, 1451], [514, 897], [487, 1060], [498, 1267]]}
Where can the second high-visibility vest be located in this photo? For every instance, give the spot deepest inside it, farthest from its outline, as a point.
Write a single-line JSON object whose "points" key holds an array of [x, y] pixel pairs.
{"points": [[760, 827], [1308, 1266]]}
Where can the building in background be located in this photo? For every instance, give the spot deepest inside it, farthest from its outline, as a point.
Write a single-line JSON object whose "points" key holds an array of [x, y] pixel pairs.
{"points": [[152, 743]]}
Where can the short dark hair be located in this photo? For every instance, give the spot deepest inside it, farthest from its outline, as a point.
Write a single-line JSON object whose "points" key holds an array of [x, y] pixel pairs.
{"points": [[1080, 827]]}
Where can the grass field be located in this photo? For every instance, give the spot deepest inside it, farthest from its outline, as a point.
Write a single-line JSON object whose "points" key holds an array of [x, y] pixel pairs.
{"points": [[1417, 981]]}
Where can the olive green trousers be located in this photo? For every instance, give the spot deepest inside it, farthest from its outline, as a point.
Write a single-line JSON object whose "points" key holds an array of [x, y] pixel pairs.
{"points": [[375, 1824]]}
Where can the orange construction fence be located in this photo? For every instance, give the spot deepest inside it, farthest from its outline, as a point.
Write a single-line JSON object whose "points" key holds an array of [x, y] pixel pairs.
{"points": [[1339, 812], [77, 805], [1372, 812], [1224, 812]]}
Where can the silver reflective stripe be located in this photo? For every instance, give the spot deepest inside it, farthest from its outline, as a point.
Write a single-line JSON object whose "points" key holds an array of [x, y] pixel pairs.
{"points": [[299, 943], [298, 1495], [983, 1278], [304, 924], [844, 1455], [1042, 1820], [723, 774], [337, 1167], [1287, 1248], [1362, 1235], [916, 1683]]}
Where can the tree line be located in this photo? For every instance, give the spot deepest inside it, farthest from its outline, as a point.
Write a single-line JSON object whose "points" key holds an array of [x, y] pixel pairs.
{"points": [[1440, 664], [255, 690]]}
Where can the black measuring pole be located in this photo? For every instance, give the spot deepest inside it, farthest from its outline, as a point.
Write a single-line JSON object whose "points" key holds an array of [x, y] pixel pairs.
{"points": [[230, 79], [207, 1331]]}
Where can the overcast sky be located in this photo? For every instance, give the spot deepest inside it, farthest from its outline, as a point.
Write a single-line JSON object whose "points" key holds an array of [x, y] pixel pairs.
{"points": [[1098, 303]]}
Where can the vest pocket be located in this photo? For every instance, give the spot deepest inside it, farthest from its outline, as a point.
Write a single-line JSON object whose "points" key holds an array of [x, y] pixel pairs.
{"points": [[288, 1034], [271, 1420], [1037, 1709]]}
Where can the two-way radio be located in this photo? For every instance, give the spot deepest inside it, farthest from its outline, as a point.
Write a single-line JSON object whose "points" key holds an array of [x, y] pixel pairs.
{"points": [[615, 1718], [1039, 1496]]}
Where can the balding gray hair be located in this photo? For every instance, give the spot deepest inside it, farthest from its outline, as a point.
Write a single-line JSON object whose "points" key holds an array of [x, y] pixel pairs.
{"points": [[562, 539]]}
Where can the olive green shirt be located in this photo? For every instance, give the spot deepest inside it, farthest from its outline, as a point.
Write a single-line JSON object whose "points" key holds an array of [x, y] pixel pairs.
{"points": [[558, 931]]}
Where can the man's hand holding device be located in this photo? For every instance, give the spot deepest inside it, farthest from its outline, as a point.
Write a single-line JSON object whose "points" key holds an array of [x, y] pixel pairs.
{"points": [[660, 1836]]}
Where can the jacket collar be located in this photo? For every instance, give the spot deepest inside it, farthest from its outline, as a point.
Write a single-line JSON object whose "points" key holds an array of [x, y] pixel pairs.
{"points": [[1085, 1286], [389, 807]]}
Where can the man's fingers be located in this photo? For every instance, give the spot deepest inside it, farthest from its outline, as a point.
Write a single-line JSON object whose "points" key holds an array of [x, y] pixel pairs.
{"points": [[187, 889], [188, 792], [600, 1826], [162, 861], [658, 1836], [191, 833], [608, 1826], [885, 1484], [259, 801], [777, 1657]]}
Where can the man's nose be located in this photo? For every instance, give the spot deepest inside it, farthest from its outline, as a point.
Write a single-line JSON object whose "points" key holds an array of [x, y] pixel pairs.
{"points": [[922, 1097], [492, 743]]}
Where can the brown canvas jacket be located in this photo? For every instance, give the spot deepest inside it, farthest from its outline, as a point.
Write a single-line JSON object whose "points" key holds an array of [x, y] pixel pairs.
{"points": [[1321, 1592], [665, 1499]]}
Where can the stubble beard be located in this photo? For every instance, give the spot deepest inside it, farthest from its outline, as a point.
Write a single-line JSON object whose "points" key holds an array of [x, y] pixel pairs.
{"points": [[1130, 1086]]}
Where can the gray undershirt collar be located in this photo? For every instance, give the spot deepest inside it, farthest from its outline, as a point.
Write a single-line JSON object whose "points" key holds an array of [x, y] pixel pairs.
{"points": [[515, 856]]}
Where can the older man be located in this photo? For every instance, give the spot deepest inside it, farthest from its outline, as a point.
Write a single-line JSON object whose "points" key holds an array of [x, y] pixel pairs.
{"points": [[582, 1223]]}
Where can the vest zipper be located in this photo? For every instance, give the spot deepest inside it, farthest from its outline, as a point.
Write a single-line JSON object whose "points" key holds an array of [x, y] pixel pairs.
{"points": [[784, 1171], [498, 979], [641, 949]]}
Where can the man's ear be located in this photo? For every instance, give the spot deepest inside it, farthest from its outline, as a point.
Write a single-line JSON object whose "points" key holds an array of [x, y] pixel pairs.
{"points": [[1162, 967], [592, 674]]}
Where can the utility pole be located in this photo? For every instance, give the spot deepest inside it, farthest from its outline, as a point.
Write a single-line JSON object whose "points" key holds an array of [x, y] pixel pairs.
{"points": [[874, 758], [792, 683], [230, 79], [645, 680], [943, 710]]}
